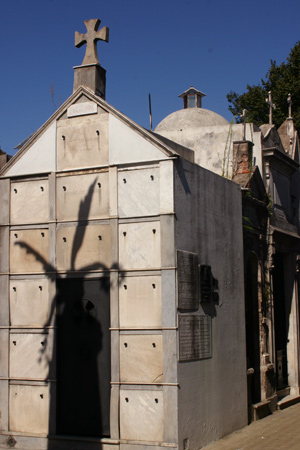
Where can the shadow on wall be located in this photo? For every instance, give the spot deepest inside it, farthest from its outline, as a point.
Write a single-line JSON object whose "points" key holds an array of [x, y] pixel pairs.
{"points": [[80, 399]]}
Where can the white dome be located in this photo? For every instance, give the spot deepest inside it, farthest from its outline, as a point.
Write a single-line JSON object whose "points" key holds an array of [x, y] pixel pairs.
{"points": [[190, 118], [201, 130]]}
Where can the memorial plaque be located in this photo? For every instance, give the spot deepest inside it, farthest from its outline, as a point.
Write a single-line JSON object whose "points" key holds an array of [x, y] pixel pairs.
{"points": [[187, 280], [194, 337], [82, 109]]}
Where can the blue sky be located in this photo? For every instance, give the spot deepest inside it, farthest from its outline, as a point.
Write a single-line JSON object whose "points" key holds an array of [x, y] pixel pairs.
{"points": [[156, 46]]}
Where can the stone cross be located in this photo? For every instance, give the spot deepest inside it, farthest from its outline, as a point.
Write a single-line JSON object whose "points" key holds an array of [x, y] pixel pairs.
{"points": [[272, 106], [289, 100], [90, 39], [243, 119]]}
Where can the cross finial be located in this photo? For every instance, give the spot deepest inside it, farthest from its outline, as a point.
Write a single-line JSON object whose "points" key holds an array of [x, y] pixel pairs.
{"points": [[90, 39], [289, 100], [243, 119], [272, 106]]}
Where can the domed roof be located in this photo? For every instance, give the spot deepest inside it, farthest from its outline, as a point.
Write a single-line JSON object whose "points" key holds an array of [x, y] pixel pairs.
{"points": [[190, 118]]}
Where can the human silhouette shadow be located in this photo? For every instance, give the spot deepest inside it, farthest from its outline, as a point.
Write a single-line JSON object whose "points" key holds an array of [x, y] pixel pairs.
{"points": [[80, 311]]}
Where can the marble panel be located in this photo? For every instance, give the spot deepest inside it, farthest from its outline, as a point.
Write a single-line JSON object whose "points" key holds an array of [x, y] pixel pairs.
{"points": [[114, 412], [138, 192], [139, 245], [140, 302], [114, 299], [143, 446], [4, 303], [29, 202], [83, 247], [170, 356], [23, 398], [3, 405], [83, 197], [171, 413], [29, 250], [141, 415], [168, 294], [141, 358], [113, 191], [167, 230], [52, 197], [4, 353], [30, 355], [4, 249], [4, 195], [166, 187], [29, 302], [82, 142]]}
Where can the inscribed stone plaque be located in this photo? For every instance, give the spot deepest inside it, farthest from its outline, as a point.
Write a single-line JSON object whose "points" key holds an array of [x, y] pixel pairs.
{"points": [[82, 109], [194, 337], [187, 280]]}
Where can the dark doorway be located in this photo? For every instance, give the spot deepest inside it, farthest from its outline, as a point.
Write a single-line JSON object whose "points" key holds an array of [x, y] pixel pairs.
{"points": [[280, 321], [252, 333], [83, 357]]}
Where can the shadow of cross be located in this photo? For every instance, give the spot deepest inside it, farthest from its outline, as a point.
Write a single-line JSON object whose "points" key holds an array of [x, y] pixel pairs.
{"points": [[80, 385], [90, 38], [50, 270]]}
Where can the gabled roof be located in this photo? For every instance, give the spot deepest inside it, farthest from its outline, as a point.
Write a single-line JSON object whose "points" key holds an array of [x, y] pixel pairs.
{"points": [[167, 149], [192, 89], [289, 138], [270, 137]]}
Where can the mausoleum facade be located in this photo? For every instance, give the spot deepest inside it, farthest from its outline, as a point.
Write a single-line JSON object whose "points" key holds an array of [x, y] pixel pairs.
{"points": [[123, 262], [121, 275]]}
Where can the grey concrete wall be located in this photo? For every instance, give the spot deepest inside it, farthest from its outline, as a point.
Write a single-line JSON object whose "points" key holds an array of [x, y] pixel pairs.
{"points": [[213, 392], [213, 144]]}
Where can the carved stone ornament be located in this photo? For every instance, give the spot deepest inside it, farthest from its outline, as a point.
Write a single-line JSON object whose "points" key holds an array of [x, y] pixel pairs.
{"points": [[90, 38]]}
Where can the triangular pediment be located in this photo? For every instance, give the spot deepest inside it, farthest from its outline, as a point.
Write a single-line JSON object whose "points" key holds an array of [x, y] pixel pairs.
{"points": [[128, 142]]}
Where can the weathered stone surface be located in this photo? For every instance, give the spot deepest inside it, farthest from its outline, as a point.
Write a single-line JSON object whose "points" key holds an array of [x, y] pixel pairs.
{"points": [[141, 358], [140, 302], [4, 338], [82, 142], [5, 206], [138, 192], [82, 197], [30, 302], [4, 405], [20, 396], [139, 245], [29, 250], [90, 38], [92, 243], [82, 109], [39, 157], [194, 337], [29, 202], [30, 355], [141, 415]]}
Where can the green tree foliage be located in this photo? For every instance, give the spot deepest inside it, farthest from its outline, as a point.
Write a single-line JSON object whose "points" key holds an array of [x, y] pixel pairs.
{"points": [[281, 80]]}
